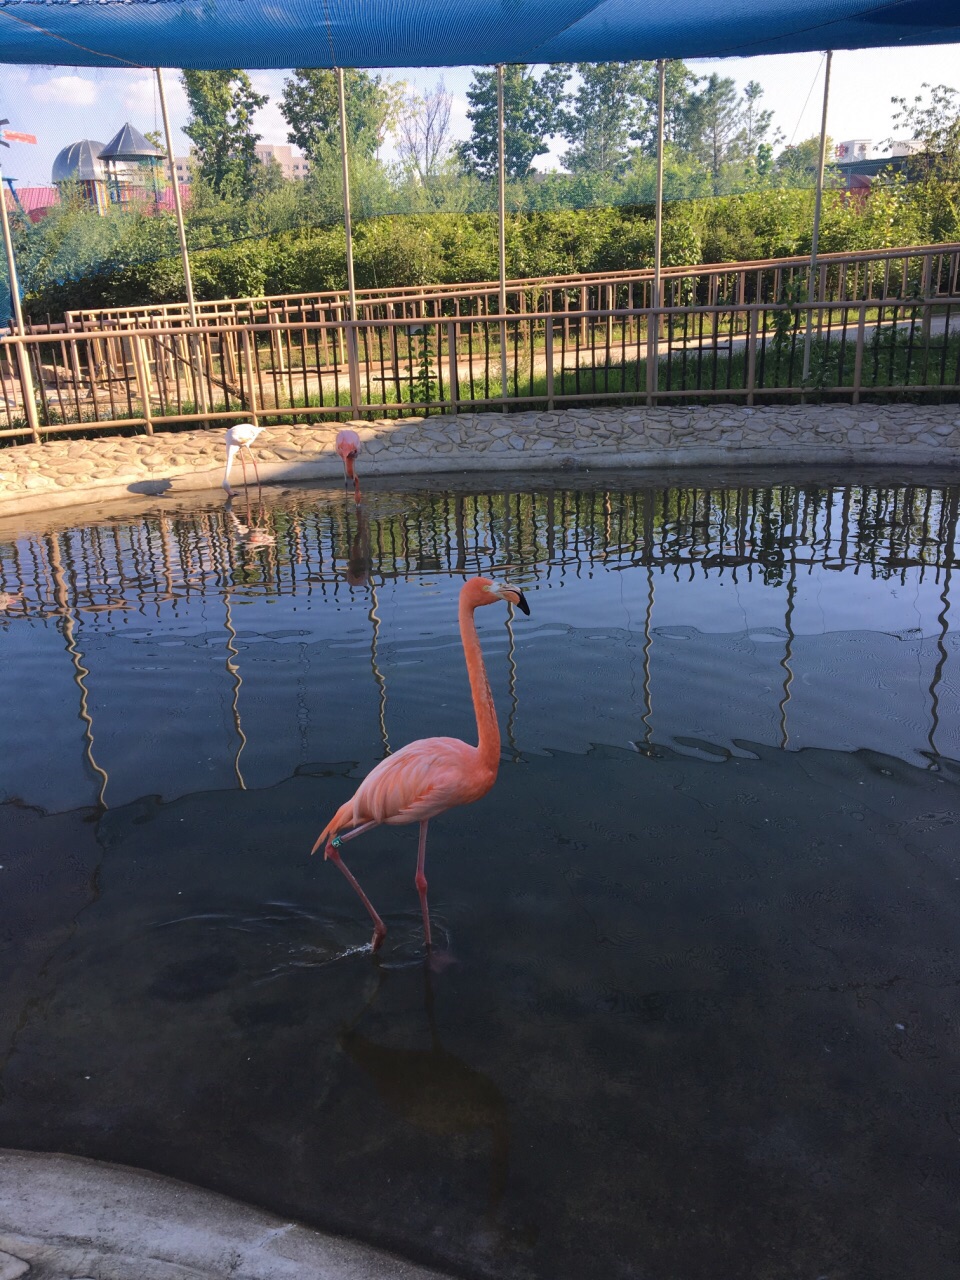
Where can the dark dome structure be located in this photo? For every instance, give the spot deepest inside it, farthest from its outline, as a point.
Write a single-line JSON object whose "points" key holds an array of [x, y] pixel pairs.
{"points": [[80, 162], [129, 144]]}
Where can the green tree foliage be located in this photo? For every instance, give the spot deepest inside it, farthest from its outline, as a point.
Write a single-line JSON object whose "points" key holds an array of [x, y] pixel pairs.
{"points": [[222, 105], [608, 109], [310, 106], [530, 110], [934, 121], [796, 166]]}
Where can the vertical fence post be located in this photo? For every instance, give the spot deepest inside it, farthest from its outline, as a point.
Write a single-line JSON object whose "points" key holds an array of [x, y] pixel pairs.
{"points": [[143, 379], [858, 354], [251, 406], [548, 352], [353, 368], [453, 379], [753, 323]]}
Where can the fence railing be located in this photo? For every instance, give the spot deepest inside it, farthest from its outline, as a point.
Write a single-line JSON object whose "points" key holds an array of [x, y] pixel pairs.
{"points": [[919, 271], [752, 353]]}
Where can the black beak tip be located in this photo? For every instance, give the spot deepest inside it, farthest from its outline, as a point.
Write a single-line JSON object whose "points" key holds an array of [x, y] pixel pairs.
{"points": [[522, 603]]}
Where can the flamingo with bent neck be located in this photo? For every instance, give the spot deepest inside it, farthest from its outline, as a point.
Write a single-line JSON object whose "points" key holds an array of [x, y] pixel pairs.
{"points": [[238, 438], [348, 445], [431, 775]]}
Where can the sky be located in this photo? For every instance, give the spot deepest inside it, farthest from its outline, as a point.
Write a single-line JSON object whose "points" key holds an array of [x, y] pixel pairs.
{"points": [[63, 104]]}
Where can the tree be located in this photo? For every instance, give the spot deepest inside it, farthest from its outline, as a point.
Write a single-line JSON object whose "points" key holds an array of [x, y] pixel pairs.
{"points": [[796, 166], [604, 114], [935, 168], [756, 123], [716, 116], [423, 134], [310, 106], [728, 133], [530, 110], [222, 105]]}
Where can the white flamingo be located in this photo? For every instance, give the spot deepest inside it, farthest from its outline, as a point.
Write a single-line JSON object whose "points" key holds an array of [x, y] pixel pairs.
{"points": [[238, 438]]}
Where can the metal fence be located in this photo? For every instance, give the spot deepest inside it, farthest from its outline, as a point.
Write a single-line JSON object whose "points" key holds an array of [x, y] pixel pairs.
{"points": [[900, 337]]}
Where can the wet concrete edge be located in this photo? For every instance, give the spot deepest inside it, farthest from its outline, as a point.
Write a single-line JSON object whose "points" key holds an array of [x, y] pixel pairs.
{"points": [[68, 1218]]}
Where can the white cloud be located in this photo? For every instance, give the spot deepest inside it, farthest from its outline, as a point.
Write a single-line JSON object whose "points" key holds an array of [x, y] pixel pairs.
{"points": [[67, 91], [141, 96]]}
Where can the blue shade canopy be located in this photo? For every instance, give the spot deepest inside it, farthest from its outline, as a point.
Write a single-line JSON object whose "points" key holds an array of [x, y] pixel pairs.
{"points": [[400, 33]]}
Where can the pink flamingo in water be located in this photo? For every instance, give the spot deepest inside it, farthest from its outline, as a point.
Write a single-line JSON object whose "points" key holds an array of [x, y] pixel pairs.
{"points": [[431, 775], [348, 446]]}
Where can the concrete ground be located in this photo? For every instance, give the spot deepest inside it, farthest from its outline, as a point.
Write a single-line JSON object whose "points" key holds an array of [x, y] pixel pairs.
{"points": [[66, 1218]]}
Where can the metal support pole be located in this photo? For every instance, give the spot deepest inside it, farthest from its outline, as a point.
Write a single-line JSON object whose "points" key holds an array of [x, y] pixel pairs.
{"points": [[653, 321], [23, 357], [502, 233], [814, 243], [182, 234], [177, 205], [353, 363]]}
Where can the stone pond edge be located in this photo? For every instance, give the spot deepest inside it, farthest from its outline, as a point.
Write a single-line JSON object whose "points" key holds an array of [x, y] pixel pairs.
{"points": [[66, 471]]}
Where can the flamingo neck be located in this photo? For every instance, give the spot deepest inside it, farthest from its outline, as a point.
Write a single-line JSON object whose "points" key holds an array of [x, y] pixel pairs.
{"points": [[487, 728], [231, 453]]}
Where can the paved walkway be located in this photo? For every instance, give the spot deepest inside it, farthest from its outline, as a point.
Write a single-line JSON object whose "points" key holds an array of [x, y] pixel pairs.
{"points": [[65, 471], [64, 1218]]}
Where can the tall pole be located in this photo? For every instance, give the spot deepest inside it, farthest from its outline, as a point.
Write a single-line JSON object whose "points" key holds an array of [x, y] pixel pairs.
{"points": [[11, 261], [23, 359], [502, 233], [658, 226], [178, 206], [184, 254], [353, 361], [818, 202], [653, 324], [347, 226]]}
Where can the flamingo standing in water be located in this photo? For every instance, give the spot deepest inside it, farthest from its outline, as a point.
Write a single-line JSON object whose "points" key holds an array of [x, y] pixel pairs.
{"points": [[238, 438], [348, 446], [431, 775]]}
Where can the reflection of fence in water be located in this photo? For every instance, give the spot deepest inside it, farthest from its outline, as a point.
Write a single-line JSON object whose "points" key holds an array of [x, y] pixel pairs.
{"points": [[164, 559]]}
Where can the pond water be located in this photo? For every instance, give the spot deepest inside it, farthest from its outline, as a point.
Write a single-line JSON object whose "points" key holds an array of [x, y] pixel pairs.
{"points": [[699, 1016]]}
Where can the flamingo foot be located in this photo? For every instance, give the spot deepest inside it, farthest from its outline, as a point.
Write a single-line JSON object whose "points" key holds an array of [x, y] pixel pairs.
{"points": [[377, 942]]}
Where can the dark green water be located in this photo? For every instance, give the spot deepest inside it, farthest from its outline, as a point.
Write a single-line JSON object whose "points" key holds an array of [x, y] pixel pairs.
{"points": [[703, 1017]]}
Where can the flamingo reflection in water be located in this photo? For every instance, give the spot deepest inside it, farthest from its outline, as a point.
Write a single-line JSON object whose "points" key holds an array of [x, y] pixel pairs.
{"points": [[433, 1090], [238, 439], [431, 775]]}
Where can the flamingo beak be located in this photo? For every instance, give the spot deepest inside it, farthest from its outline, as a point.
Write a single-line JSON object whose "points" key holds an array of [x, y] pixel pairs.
{"points": [[522, 602]]}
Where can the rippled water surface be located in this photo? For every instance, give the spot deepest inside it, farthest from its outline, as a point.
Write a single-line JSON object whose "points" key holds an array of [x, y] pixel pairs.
{"points": [[698, 1015]]}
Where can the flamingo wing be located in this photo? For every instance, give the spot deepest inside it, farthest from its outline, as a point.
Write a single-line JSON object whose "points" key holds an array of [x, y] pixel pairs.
{"points": [[421, 780]]}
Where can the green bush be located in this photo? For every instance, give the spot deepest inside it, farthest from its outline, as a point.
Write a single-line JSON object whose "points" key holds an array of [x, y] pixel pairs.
{"points": [[76, 259]]}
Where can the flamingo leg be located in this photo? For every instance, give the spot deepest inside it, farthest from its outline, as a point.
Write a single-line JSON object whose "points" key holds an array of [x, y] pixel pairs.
{"points": [[420, 880], [332, 852], [255, 471], [243, 466]]}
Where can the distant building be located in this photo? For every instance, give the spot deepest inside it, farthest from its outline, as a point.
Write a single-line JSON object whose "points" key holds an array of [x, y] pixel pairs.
{"points": [[80, 163], [859, 167], [132, 166], [292, 164], [183, 166]]}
